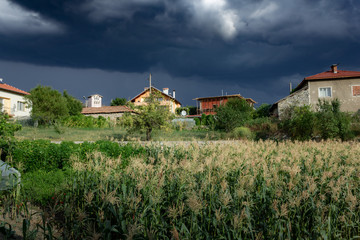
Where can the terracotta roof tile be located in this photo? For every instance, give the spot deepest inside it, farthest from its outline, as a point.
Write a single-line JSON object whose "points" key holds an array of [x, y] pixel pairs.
{"points": [[331, 75], [7, 87], [328, 75], [106, 109]]}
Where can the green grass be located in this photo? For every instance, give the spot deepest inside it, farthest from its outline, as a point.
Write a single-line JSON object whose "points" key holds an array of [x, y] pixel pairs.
{"points": [[115, 134]]}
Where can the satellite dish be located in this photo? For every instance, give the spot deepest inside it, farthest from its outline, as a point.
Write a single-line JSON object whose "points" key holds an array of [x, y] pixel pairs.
{"points": [[183, 113]]}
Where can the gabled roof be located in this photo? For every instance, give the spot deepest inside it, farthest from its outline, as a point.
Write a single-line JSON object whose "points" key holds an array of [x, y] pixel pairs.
{"points": [[106, 109], [227, 96], [329, 75], [6, 87], [95, 95], [154, 88]]}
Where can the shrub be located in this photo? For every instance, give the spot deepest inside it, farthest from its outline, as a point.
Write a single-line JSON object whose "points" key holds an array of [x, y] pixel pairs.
{"points": [[235, 113], [243, 133], [263, 128], [81, 121], [7, 129], [331, 122], [301, 124], [41, 186]]}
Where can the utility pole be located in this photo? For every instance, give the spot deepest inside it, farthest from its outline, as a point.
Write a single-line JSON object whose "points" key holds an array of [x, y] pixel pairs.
{"points": [[150, 82]]}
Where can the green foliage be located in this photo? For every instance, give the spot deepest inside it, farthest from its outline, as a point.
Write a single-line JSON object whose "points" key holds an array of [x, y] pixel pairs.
{"points": [[48, 105], [82, 121], [327, 122], [264, 128], [197, 121], [242, 133], [7, 129], [301, 124], [208, 120], [262, 111], [235, 113], [118, 102], [74, 106], [40, 186], [331, 122], [180, 109], [150, 116]]}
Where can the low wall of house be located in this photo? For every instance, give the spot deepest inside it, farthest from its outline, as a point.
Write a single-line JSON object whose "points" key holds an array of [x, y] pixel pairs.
{"points": [[112, 116], [299, 98]]}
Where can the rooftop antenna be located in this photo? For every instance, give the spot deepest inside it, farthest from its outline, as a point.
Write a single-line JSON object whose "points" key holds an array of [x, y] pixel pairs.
{"points": [[1, 80], [150, 82], [222, 92]]}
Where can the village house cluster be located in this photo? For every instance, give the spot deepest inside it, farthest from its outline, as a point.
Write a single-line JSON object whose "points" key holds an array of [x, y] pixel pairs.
{"points": [[332, 84]]}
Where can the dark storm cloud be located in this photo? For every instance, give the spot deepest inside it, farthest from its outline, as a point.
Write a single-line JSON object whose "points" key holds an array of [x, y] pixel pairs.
{"points": [[252, 44]]}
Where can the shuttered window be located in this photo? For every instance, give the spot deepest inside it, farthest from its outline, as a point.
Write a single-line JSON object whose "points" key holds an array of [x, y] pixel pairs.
{"points": [[356, 91]]}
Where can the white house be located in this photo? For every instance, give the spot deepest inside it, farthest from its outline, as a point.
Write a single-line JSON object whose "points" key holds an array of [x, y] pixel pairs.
{"points": [[94, 101], [12, 101]]}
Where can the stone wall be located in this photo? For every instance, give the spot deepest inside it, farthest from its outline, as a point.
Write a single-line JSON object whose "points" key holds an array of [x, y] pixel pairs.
{"points": [[298, 98], [112, 116]]}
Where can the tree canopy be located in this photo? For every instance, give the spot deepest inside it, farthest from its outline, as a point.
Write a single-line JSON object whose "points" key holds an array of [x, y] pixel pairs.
{"points": [[235, 113], [118, 102], [74, 106], [48, 105], [151, 116]]}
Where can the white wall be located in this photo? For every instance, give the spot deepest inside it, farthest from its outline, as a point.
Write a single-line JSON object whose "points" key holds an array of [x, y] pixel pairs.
{"points": [[10, 102], [94, 101]]}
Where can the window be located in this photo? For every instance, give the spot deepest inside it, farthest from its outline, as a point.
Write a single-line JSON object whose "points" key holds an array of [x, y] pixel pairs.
{"points": [[356, 91], [325, 92], [20, 106]]}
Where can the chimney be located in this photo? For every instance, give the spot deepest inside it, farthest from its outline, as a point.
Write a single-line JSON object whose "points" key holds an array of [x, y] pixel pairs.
{"points": [[173, 94], [334, 68], [1, 80], [166, 91]]}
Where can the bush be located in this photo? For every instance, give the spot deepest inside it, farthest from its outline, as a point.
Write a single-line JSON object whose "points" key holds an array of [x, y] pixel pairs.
{"points": [[41, 186], [81, 121], [263, 128], [7, 129], [301, 124], [331, 123], [242, 133], [235, 113], [29, 156]]}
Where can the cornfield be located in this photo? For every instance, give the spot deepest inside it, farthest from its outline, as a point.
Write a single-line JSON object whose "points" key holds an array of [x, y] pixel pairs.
{"points": [[231, 190]]}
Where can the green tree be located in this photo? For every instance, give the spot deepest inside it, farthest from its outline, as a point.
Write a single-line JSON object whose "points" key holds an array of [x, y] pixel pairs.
{"points": [[235, 113], [118, 102], [151, 116], [262, 111], [48, 105], [331, 122], [74, 106]]}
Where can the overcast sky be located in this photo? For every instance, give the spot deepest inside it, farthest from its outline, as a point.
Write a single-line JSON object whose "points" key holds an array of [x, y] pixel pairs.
{"points": [[197, 47]]}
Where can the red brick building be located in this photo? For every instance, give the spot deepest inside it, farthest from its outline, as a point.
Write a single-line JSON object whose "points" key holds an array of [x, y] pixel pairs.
{"points": [[207, 105]]}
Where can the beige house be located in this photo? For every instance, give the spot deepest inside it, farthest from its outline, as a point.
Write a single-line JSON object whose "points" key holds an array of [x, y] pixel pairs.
{"points": [[329, 85], [165, 99]]}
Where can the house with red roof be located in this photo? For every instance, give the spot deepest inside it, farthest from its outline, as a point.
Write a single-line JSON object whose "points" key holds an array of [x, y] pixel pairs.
{"points": [[208, 105], [12, 101], [333, 84]]}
